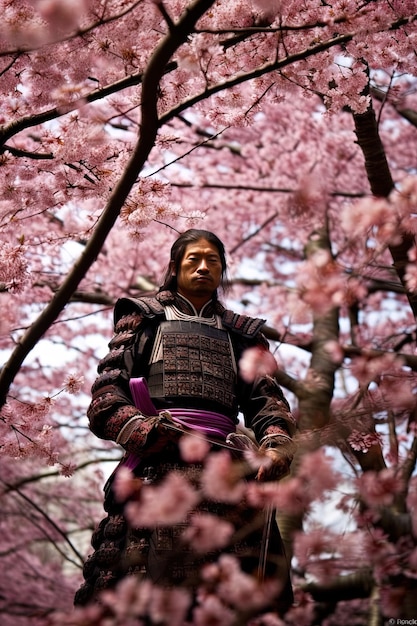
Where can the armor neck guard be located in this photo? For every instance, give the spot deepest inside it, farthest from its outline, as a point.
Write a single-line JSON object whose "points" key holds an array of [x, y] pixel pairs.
{"points": [[153, 306]]}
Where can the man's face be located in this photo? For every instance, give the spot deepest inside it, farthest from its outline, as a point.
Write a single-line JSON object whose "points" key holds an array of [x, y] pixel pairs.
{"points": [[200, 271]]}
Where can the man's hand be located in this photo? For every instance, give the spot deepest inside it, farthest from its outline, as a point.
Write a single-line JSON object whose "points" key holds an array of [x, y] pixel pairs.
{"points": [[163, 433], [276, 466]]}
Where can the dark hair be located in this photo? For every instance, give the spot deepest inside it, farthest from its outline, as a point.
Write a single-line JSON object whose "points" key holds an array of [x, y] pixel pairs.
{"points": [[178, 251]]}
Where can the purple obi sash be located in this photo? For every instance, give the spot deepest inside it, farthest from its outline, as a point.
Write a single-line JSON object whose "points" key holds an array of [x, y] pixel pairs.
{"points": [[206, 422], [213, 425]]}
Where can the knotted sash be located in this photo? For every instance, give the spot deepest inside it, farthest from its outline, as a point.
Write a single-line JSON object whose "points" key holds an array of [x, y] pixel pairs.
{"points": [[208, 423]]}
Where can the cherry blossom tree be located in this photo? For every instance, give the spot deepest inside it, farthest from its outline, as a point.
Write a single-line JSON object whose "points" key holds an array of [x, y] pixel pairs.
{"points": [[289, 129]]}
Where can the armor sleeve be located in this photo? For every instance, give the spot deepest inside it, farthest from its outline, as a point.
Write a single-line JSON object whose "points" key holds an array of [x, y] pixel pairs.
{"points": [[111, 410]]}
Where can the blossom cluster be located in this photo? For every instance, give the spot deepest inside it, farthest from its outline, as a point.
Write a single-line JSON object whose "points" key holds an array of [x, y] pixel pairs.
{"points": [[14, 268], [323, 284], [28, 430], [225, 593]]}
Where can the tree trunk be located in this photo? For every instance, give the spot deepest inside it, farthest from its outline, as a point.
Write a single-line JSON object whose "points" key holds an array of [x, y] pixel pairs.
{"points": [[381, 183]]}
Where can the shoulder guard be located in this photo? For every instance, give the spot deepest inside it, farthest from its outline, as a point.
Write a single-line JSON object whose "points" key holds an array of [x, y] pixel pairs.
{"points": [[149, 307], [243, 325]]}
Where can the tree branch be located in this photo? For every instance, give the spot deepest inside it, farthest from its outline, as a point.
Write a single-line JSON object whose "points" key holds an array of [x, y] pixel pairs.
{"points": [[349, 587], [338, 40], [149, 128], [382, 184], [29, 155], [408, 114], [50, 521]]}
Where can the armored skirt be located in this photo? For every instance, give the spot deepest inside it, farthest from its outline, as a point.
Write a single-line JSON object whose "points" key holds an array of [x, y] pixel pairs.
{"points": [[163, 556]]}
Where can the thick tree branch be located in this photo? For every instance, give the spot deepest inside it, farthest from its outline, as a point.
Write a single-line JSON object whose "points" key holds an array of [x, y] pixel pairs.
{"points": [[408, 114], [149, 128], [357, 585], [49, 520], [38, 156], [382, 184], [17, 126], [33, 120], [315, 409]]}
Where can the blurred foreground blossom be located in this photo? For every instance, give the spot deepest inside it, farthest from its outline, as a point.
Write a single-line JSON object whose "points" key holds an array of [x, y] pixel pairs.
{"points": [[315, 478], [167, 503], [256, 362], [212, 611], [222, 480], [125, 484], [193, 449], [379, 488], [62, 14], [132, 601], [208, 532], [237, 588]]}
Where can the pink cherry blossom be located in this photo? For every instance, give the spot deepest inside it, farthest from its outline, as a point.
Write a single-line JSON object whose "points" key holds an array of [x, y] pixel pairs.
{"points": [[221, 479], [211, 611], [335, 351], [322, 284], [125, 484], [367, 368], [62, 13], [313, 545], [290, 496], [14, 267], [207, 532], [267, 619], [362, 442], [67, 469], [73, 383], [163, 504], [129, 599], [256, 362], [318, 472], [410, 275], [379, 488], [384, 555], [258, 458], [193, 449], [237, 588], [169, 606], [370, 213]]}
